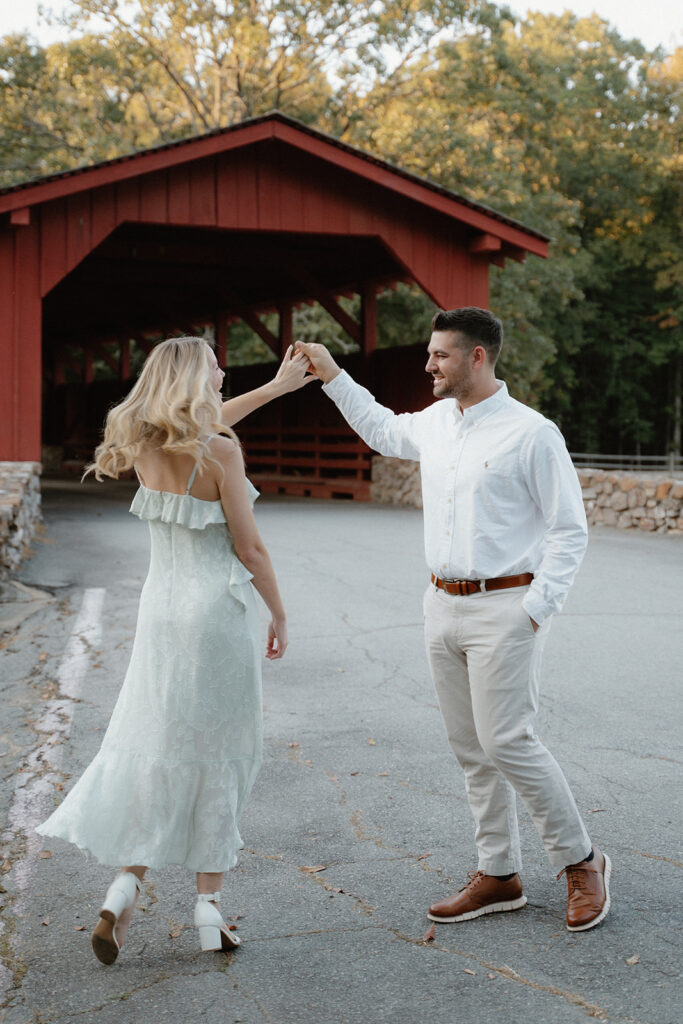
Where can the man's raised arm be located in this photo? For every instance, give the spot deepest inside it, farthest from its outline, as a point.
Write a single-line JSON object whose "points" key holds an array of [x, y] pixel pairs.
{"points": [[380, 428]]}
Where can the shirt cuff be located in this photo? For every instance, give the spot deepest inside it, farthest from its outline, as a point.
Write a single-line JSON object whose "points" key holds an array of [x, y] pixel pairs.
{"points": [[535, 607], [338, 385]]}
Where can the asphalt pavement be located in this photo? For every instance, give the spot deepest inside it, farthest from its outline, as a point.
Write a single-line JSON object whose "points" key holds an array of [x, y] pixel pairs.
{"points": [[358, 820]]}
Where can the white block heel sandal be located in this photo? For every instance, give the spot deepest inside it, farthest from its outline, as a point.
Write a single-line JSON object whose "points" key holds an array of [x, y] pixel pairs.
{"points": [[213, 931], [120, 896]]}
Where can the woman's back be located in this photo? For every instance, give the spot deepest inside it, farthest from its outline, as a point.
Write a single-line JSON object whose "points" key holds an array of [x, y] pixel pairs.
{"points": [[171, 473]]}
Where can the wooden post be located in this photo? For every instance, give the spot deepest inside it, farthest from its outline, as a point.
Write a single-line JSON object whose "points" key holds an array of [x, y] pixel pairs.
{"points": [[285, 328], [124, 360], [89, 373], [221, 329], [369, 317]]}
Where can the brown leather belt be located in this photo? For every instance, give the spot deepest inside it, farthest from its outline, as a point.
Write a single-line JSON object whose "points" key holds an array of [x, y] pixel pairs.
{"points": [[463, 587]]}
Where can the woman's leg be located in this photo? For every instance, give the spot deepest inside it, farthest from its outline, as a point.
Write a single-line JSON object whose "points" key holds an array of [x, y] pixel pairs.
{"points": [[209, 881], [124, 920]]}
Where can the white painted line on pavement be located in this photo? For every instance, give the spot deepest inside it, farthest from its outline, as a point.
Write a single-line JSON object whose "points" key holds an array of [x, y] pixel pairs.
{"points": [[34, 793]]}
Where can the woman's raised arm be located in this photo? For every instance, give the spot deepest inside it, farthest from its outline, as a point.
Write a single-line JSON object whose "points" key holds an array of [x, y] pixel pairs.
{"points": [[291, 375]]}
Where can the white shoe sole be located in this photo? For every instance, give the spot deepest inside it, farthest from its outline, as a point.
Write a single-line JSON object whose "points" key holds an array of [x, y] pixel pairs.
{"points": [[492, 908], [603, 913]]}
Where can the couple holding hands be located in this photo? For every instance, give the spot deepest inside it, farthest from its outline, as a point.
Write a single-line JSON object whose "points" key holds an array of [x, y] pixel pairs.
{"points": [[505, 532]]}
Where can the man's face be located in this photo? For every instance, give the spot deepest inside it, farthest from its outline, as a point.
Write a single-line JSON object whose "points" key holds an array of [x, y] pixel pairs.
{"points": [[449, 365]]}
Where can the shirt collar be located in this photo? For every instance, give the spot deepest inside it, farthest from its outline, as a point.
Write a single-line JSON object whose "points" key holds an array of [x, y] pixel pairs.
{"points": [[476, 413]]}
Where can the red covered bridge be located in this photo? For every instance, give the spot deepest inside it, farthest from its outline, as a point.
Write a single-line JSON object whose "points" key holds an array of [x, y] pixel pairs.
{"points": [[257, 217]]}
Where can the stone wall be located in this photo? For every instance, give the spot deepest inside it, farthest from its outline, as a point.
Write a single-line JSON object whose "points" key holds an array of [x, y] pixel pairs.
{"points": [[646, 501], [19, 511]]}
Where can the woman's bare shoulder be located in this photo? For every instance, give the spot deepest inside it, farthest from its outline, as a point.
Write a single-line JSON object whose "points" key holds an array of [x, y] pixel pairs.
{"points": [[220, 445]]}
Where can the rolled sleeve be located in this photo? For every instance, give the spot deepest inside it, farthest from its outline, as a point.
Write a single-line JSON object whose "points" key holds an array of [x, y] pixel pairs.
{"points": [[384, 431]]}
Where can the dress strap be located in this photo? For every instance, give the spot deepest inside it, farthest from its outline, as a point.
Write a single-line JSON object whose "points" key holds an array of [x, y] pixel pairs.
{"points": [[194, 471], [138, 475]]}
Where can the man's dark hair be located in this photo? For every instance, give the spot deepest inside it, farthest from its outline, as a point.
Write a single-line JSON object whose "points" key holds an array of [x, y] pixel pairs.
{"points": [[478, 327]]}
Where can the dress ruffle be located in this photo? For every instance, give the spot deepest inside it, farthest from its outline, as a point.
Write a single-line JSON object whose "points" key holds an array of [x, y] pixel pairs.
{"points": [[181, 509], [131, 808]]}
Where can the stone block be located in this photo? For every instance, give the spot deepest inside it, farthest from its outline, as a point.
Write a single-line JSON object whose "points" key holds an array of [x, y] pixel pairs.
{"points": [[589, 494], [636, 497], [663, 489], [627, 483], [625, 520], [651, 502], [607, 487], [619, 501], [677, 492], [609, 517], [646, 524]]}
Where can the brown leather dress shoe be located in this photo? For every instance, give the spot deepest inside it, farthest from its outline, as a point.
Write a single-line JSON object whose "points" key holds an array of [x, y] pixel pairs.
{"points": [[588, 896], [483, 894]]}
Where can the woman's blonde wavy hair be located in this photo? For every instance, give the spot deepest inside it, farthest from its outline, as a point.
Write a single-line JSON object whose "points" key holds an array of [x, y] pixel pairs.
{"points": [[172, 405]]}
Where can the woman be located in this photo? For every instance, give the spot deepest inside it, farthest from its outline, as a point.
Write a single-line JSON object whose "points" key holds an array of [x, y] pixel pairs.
{"points": [[183, 745]]}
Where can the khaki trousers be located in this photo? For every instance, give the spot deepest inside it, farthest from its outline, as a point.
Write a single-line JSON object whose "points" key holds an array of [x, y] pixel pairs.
{"points": [[485, 660]]}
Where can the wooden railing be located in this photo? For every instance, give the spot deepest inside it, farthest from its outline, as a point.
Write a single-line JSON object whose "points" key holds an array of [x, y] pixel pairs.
{"points": [[317, 462], [670, 463]]}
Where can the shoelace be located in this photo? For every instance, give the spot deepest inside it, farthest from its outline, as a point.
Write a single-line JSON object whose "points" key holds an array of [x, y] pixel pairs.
{"points": [[473, 879], [576, 877]]}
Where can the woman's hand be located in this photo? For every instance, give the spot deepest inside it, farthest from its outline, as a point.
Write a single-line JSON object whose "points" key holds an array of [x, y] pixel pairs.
{"points": [[277, 639], [293, 372]]}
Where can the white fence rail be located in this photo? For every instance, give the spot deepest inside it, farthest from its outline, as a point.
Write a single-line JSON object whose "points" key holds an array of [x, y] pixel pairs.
{"points": [[670, 463]]}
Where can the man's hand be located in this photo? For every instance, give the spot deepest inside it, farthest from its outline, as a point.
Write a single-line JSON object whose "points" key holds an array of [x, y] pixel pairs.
{"points": [[321, 362]]}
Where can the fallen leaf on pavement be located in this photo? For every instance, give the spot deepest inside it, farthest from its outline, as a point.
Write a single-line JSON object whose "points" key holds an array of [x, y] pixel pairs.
{"points": [[42, 657], [313, 870], [491, 976], [371, 742], [383, 775], [292, 744], [430, 935], [44, 854], [6, 865], [232, 927], [597, 810], [175, 934], [468, 971], [423, 856], [354, 773], [45, 921], [633, 959], [79, 927]]}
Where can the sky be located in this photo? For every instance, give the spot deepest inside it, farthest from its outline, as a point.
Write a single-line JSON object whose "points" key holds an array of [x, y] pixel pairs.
{"points": [[654, 22]]}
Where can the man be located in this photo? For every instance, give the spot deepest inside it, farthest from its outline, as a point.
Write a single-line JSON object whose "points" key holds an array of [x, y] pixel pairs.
{"points": [[505, 532]]}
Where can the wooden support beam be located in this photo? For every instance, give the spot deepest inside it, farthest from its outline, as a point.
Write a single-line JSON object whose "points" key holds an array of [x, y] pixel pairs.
{"points": [[328, 301], [101, 351], [498, 259], [369, 317], [252, 320], [512, 252], [20, 218], [485, 244]]}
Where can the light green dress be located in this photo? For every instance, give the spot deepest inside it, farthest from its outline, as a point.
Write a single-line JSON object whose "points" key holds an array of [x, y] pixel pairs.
{"points": [[183, 745]]}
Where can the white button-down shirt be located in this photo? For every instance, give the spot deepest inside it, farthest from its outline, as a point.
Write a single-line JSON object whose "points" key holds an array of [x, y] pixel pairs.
{"points": [[499, 490]]}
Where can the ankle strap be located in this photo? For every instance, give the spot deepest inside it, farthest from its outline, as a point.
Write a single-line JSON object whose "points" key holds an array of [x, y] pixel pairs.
{"points": [[208, 897]]}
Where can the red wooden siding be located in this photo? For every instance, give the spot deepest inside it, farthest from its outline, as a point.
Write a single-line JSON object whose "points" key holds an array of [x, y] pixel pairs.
{"points": [[268, 176]]}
